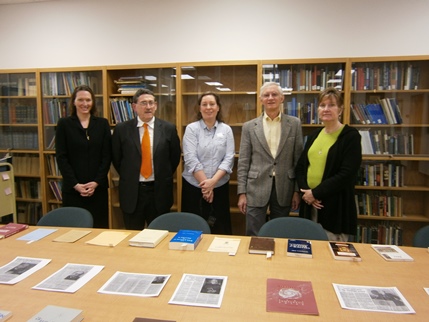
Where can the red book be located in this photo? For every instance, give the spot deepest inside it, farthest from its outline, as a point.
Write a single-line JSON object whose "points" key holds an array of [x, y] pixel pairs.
{"points": [[291, 297], [11, 229]]}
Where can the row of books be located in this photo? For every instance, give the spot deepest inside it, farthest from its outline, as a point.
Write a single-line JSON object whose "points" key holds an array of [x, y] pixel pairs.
{"points": [[383, 142], [26, 164], [56, 186], [29, 212], [53, 169], [387, 111], [382, 234], [381, 174], [379, 204], [21, 86], [18, 114], [304, 78], [54, 109], [121, 110], [28, 188], [130, 84], [306, 112], [386, 76], [19, 138], [64, 83]]}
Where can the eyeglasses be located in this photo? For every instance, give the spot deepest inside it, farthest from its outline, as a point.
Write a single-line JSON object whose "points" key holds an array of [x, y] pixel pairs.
{"points": [[146, 103]]}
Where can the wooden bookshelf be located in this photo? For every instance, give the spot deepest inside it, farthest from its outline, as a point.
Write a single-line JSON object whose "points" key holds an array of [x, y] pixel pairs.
{"points": [[44, 93], [400, 82]]}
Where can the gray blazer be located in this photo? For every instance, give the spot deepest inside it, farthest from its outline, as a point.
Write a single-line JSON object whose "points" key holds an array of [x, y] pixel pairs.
{"points": [[256, 164]]}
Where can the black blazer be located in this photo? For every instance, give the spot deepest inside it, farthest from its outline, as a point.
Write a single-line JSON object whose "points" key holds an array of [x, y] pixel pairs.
{"points": [[127, 159], [80, 159], [339, 214]]}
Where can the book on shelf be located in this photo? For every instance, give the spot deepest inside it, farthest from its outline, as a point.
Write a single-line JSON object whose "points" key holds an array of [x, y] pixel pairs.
{"points": [[5, 315], [148, 238], [11, 229], [186, 239], [392, 253], [261, 245], [299, 248], [53, 313], [291, 297], [344, 251]]}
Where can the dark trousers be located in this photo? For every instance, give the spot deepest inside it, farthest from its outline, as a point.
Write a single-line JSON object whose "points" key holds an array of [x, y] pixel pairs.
{"points": [[97, 205], [145, 210], [193, 202]]}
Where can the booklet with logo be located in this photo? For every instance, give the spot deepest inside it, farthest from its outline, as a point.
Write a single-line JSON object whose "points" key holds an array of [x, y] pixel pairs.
{"points": [[392, 253]]}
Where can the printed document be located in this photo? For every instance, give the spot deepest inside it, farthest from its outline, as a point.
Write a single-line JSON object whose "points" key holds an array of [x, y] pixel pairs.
{"points": [[134, 284], [199, 290], [372, 298], [20, 268], [70, 278]]}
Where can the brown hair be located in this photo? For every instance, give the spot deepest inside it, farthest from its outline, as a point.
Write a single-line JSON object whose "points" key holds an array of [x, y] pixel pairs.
{"points": [[81, 88], [217, 98]]}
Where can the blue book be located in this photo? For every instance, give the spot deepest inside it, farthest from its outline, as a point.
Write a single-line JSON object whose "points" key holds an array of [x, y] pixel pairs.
{"points": [[299, 248], [186, 239]]}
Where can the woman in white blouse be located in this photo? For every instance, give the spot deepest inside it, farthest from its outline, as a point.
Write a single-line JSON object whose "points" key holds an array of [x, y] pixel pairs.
{"points": [[208, 149]]}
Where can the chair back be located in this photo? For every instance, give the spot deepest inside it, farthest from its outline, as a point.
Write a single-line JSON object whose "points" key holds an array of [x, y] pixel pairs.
{"points": [[175, 221], [293, 227], [421, 237], [67, 217]]}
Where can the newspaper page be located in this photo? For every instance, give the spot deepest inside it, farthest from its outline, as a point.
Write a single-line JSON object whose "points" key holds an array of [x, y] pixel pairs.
{"points": [[371, 298], [70, 278], [199, 290], [144, 285], [20, 268]]}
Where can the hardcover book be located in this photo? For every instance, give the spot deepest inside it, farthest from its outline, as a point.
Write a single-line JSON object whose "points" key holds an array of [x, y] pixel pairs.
{"points": [[344, 251], [261, 245], [148, 238], [392, 253], [53, 313], [11, 229], [299, 248], [291, 297], [186, 239]]}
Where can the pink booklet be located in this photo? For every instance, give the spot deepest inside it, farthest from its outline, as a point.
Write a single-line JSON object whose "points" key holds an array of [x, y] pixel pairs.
{"points": [[291, 297]]}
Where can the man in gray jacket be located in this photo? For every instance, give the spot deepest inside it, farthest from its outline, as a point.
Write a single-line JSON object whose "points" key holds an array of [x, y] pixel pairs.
{"points": [[269, 150]]}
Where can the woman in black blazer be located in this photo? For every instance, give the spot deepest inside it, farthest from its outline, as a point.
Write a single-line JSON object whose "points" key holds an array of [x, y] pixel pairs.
{"points": [[83, 151]]}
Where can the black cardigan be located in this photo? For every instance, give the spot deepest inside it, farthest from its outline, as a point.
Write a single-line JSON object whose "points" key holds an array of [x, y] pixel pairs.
{"points": [[336, 191]]}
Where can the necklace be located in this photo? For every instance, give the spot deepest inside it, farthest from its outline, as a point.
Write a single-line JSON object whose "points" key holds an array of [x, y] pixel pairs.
{"points": [[337, 126]]}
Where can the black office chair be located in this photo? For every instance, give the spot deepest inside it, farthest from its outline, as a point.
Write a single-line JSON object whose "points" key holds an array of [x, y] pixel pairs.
{"points": [[421, 237], [67, 217], [293, 227], [175, 221]]}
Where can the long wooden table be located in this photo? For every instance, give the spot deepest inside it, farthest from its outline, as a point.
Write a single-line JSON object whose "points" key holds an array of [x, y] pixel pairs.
{"points": [[245, 294]]}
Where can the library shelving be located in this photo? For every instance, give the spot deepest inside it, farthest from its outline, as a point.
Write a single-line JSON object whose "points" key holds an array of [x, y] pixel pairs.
{"points": [[20, 135], [392, 187], [389, 104]]}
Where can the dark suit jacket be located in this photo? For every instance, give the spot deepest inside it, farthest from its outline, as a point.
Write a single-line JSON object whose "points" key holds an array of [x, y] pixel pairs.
{"points": [[256, 163], [127, 159], [336, 191], [81, 160]]}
